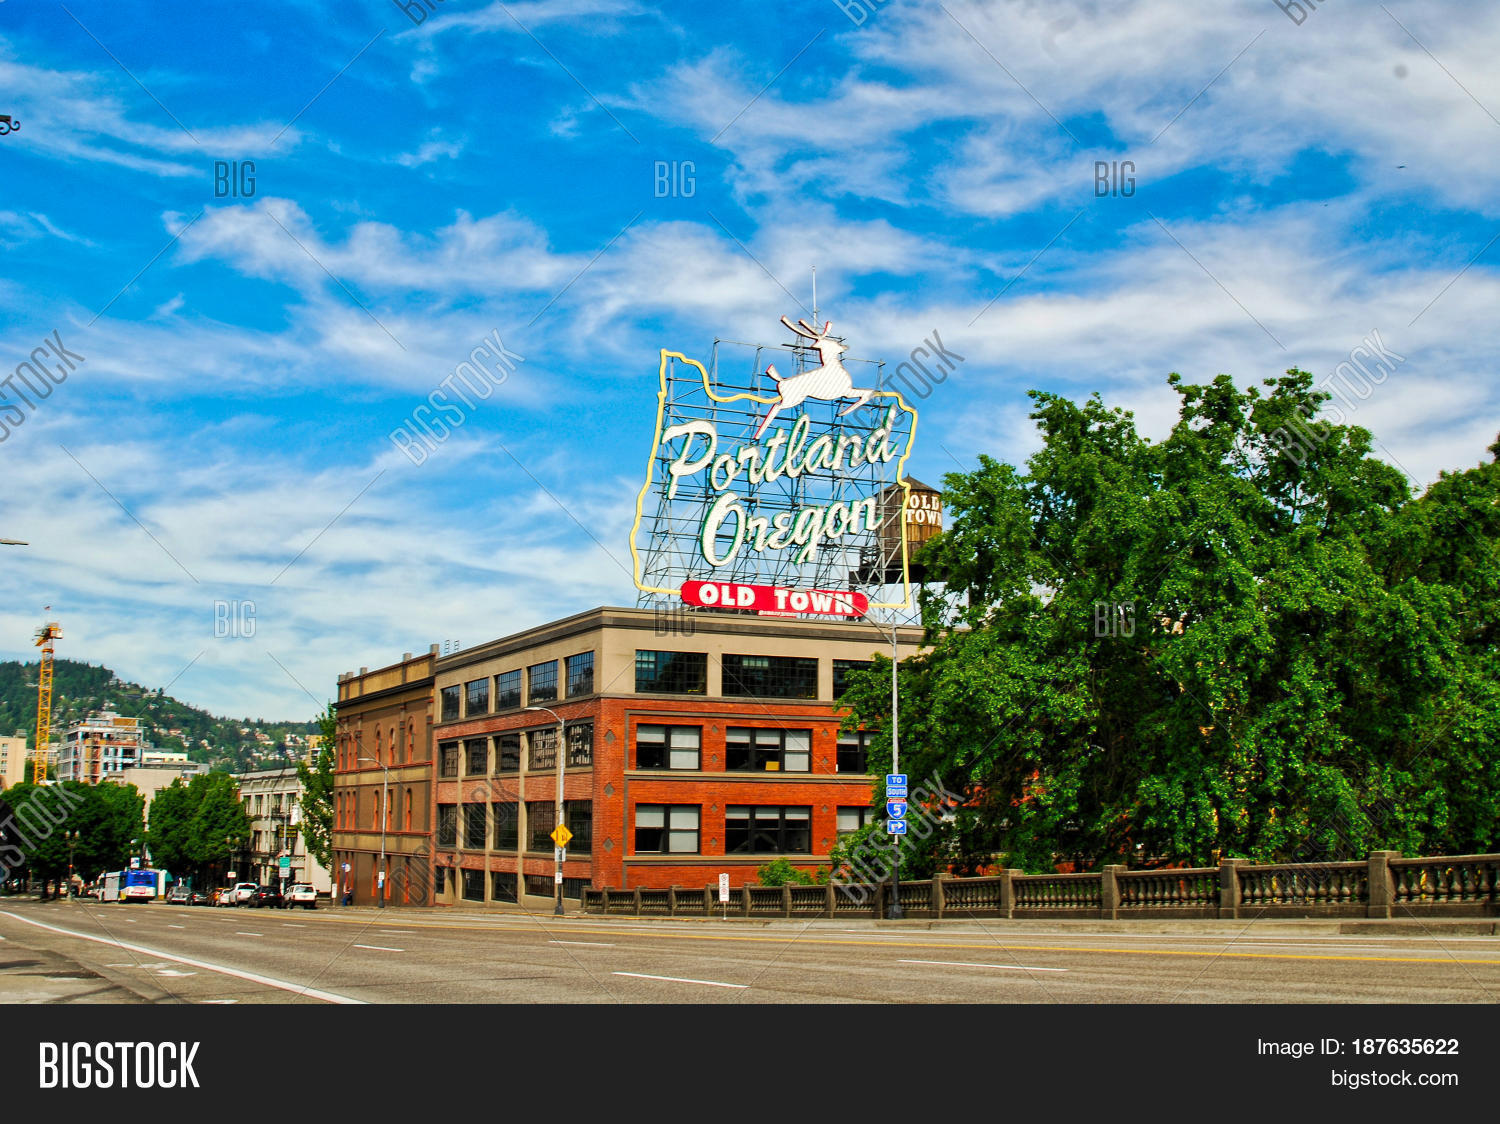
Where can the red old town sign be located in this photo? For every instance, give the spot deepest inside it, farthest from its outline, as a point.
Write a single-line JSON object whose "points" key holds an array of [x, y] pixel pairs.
{"points": [[775, 599]]}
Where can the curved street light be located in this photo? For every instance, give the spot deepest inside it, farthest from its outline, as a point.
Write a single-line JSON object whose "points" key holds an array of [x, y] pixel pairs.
{"points": [[557, 814]]}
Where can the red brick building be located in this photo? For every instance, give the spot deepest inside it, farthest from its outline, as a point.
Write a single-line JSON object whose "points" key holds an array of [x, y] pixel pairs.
{"points": [[696, 744]]}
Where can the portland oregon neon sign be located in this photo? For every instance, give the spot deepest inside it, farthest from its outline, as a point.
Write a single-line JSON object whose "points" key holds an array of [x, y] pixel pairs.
{"points": [[787, 480]]}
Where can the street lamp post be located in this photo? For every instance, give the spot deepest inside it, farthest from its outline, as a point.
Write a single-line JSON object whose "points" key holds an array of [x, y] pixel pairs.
{"points": [[72, 838], [557, 815], [385, 812]]}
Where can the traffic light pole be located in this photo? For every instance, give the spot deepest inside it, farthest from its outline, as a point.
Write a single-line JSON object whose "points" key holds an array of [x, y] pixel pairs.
{"points": [[895, 910]]}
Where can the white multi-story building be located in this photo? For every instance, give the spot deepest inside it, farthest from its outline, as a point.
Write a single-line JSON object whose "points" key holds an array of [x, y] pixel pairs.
{"points": [[272, 798], [101, 744]]}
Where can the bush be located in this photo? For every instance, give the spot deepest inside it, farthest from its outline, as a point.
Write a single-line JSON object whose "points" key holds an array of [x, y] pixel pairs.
{"points": [[779, 872]]}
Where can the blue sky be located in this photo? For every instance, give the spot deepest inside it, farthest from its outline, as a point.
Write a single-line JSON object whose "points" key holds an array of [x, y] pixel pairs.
{"points": [[488, 172]]}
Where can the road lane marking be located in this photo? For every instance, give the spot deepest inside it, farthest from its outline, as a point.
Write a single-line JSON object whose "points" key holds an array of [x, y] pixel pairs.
{"points": [[242, 933], [971, 964], [379, 948], [679, 979], [584, 944], [292, 925], [404, 931], [176, 926], [252, 977]]}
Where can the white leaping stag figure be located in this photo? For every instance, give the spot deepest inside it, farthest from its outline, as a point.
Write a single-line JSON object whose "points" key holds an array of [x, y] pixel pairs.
{"points": [[828, 382]]}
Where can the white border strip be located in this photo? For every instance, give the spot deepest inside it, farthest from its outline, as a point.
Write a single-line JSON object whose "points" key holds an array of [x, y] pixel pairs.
{"points": [[971, 964], [252, 977], [679, 979]]}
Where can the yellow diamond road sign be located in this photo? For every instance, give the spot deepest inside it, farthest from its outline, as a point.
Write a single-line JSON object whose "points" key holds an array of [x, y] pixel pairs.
{"points": [[561, 835]]}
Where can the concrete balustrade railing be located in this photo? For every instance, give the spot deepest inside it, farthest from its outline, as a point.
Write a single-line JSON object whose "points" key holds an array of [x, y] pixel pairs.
{"points": [[1384, 884]]}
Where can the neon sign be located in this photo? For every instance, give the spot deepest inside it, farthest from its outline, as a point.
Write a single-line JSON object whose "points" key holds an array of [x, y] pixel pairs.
{"points": [[760, 488]]}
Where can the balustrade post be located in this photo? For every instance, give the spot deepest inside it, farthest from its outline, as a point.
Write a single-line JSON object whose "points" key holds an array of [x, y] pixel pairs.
{"points": [[604, 900], [881, 889], [637, 901], [1109, 892], [672, 900], [745, 899], [708, 901], [786, 899], [1007, 893], [1382, 886], [828, 902], [937, 895], [1229, 887]]}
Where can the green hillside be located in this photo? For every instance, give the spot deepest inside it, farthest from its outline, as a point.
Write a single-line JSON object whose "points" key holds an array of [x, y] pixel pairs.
{"points": [[79, 688]]}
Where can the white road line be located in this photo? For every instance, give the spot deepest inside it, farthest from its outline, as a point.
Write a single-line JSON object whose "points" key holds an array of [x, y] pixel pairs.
{"points": [[292, 925], [379, 948], [176, 926], [252, 977], [679, 979], [971, 964], [586, 944], [408, 932], [242, 933]]}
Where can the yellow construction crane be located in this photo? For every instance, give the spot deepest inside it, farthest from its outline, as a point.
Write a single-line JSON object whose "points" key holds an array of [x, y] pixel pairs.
{"points": [[44, 637]]}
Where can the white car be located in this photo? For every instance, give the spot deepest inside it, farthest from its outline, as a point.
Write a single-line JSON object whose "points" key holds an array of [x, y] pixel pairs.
{"points": [[301, 894], [244, 891]]}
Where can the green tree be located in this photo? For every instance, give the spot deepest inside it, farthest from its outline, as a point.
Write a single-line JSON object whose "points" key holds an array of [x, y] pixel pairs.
{"points": [[170, 834], [1241, 640], [220, 827], [316, 797]]}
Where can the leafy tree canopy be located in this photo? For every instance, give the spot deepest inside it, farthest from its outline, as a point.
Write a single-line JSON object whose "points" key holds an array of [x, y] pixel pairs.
{"points": [[1233, 642]]}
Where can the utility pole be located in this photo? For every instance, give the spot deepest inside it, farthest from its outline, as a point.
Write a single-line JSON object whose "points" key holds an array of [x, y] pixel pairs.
{"points": [[557, 815]]}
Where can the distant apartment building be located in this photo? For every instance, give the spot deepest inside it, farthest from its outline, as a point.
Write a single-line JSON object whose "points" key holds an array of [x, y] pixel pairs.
{"points": [[12, 760], [99, 745], [273, 800]]}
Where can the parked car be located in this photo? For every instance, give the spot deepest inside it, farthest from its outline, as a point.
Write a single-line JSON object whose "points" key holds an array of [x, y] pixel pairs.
{"points": [[265, 896], [301, 894], [225, 896], [244, 891], [179, 895], [198, 897]]}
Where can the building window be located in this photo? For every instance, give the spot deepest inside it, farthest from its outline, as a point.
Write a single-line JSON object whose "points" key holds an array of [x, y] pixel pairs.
{"points": [[668, 747], [541, 682], [504, 885], [753, 750], [507, 690], [771, 677], [477, 697], [507, 826], [440, 880], [541, 821], [407, 820], [477, 756], [767, 831], [580, 670], [473, 890], [842, 669], [507, 753], [671, 673], [474, 826], [540, 885], [448, 759], [452, 698], [854, 752], [447, 833], [580, 745], [542, 748], [580, 820], [852, 819], [573, 888], [667, 828]]}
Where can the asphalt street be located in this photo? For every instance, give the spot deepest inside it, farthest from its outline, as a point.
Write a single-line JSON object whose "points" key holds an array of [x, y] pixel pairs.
{"points": [[92, 952]]}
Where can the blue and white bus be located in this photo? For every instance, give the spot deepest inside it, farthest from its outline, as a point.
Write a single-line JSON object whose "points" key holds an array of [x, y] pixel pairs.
{"points": [[133, 885]]}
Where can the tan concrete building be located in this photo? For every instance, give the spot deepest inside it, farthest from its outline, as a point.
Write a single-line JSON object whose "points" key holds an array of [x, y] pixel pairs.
{"points": [[12, 761], [383, 787], [102, 743], [273, 800]]}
